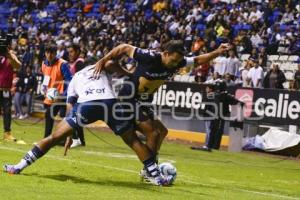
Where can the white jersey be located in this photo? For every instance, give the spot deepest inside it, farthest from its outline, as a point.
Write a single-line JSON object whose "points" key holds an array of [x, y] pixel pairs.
{"points": [[86, 88]]}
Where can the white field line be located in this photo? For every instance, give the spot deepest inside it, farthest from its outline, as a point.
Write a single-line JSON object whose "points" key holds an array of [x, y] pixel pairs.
{"points": [[134, 172]]}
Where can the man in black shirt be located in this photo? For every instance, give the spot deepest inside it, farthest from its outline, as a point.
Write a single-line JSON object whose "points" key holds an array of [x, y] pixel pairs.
{"points": [[217, 102], [297, 78]]}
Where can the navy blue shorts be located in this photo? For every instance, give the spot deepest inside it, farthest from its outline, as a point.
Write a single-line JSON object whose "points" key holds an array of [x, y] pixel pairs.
{"points": [[140, 111], [107, 110]]}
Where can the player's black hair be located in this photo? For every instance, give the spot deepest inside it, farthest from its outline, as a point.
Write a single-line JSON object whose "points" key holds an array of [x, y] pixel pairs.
{"points": [[175, 46]]}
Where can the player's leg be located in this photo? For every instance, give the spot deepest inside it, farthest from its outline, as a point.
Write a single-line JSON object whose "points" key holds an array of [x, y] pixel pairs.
{"points": [[125, 129], [152, 136], [131, 139], [162, 132], [63, 130], [151, 171]]}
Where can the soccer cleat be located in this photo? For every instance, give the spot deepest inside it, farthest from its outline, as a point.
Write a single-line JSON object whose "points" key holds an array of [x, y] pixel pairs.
{"points": [[158, 180], [10, 169], [144, 175], [8, 137]]}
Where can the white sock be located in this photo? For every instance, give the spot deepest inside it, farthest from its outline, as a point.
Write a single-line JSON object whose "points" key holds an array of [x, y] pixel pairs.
{"points": [[22, 164]]}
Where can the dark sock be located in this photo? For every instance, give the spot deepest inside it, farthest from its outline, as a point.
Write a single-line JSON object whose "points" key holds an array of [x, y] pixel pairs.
{"points": [[151, 167]]}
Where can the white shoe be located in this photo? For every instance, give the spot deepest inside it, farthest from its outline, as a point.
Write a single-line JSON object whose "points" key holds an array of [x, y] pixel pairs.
{"points": [[22, 117], [76, 143], [26, 115], [14, 116], [158, 180]]}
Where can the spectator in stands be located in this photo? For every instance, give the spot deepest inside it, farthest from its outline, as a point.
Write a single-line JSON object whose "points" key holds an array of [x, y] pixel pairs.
{"points": [[275, 78], [263, 57], [255, 14], [56, 75], [244, 76], [24, 92], [228, 80], [244, 43], [233, 65], [201, 72], [297, 78], [244, 22], [256, 39], [214, 78], [255, 74], [220, 64]]}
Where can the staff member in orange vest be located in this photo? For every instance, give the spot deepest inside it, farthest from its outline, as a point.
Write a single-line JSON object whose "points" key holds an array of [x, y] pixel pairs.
{"points": [[8, 62], [57, 75], [76, 64]]}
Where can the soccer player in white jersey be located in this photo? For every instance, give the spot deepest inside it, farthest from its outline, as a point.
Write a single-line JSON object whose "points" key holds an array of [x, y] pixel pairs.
{"points": [[95, 101]]}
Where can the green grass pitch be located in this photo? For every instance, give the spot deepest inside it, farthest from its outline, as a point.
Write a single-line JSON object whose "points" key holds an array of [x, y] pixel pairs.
{"points": [[110, 171]]}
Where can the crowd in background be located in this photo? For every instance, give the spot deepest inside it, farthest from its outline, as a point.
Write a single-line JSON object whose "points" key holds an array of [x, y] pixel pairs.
{"points": [[259, 28]]}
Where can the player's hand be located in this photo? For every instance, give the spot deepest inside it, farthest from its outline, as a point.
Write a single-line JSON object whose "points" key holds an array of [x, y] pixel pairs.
{"points": [[223, 48], [68, 144], [99, 66]]}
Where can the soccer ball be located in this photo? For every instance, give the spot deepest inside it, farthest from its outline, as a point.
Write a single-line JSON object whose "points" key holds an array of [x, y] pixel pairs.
{"points": [[169, 170], [52, 94]]}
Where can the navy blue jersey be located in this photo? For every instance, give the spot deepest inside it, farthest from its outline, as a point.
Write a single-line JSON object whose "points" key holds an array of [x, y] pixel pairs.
{"points": [[149, 75]]}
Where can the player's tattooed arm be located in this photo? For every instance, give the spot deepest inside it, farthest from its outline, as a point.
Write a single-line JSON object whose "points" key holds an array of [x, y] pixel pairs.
{"points": [[114, 54]]}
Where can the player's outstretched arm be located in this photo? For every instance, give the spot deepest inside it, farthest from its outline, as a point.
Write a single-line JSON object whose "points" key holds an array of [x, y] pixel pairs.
{"points": [[204, 58], [115, 53]]}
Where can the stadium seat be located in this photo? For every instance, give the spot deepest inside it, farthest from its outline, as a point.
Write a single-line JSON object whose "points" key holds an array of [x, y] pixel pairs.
{"points": [[283, 58], [289, 75], [201, 27], [273, 57], [294, 66], [247, 27], [293, 58]]}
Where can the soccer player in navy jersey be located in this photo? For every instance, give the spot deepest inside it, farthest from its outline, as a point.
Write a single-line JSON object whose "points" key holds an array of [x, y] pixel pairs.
{"points": [[152, 70]]}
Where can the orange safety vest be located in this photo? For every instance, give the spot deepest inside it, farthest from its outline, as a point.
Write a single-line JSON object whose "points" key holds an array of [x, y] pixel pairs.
{"points": [[56, 77]]}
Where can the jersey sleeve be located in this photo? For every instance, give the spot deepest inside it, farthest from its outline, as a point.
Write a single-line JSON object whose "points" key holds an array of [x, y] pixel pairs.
{"points": [[71, 92], [143, 55]]}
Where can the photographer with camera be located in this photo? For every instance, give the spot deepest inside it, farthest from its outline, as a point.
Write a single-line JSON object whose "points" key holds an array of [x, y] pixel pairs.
{"points": [[8, 63], [217, 102]]}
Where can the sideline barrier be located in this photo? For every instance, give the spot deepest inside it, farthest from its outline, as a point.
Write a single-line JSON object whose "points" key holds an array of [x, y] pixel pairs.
{"points": [[266, 105], [274, 107]]}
